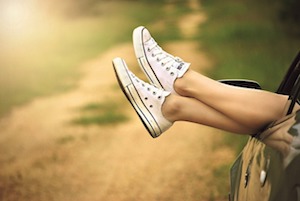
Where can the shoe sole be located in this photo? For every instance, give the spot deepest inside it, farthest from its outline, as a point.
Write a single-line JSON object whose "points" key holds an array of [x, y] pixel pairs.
{"points": [[134, 98], [140, 54]]}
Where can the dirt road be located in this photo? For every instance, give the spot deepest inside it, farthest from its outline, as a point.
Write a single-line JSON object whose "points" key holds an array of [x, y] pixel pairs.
{"points": [[44, 157]]}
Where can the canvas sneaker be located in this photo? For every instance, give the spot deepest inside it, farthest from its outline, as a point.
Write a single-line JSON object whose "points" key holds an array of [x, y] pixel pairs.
{"points": [[160, 67], [146, 99]]}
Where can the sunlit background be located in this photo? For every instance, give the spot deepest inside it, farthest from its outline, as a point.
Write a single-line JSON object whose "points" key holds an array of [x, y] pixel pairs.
{"points": [[43, 41], [26, 27], [78, 155], [18, 17]]}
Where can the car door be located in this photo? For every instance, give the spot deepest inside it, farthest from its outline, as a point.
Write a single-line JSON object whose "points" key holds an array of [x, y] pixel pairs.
{"points": [[261, 172]]}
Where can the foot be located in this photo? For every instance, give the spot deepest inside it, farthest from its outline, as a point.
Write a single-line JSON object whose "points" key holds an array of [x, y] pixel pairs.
{"points": [[161, 68], [146, 99]]}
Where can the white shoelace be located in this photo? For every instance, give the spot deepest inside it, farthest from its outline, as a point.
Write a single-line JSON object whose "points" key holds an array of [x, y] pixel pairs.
{"points": [[166, 60], [151, 89]]}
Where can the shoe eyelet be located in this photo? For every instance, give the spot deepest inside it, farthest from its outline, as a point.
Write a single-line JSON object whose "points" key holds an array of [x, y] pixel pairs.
{"points": [[168, 68], [154, 93], [172, 73], [148, 88], [146, 98], [158, 60], [152, 55], [148, 49], [162, 63], [151, 106], [159, 97], [143, 85]]}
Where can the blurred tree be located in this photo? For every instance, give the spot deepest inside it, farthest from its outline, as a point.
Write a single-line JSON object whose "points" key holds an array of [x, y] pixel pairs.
{"points": [[71, 8], [291, 10], [290, 15]]}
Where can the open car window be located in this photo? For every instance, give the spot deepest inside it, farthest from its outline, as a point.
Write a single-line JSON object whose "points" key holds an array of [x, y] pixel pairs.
{"points": [[290, 85], [261, 172]]}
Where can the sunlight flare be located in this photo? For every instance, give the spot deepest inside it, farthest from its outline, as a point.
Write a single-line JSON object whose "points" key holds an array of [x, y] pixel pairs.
{"points": [[17, 17]]}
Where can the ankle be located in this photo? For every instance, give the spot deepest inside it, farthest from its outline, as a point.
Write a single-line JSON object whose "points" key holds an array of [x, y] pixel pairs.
{"points": [[181, 86], [171, 108]]}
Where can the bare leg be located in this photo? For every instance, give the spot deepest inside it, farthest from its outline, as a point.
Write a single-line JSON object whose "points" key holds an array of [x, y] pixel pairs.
{"points": [[180, 108], [251, 108], [248, 108]]}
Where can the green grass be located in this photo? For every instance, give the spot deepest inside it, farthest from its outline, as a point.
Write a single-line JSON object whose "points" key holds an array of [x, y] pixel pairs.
{"points": [[106, 113], [65, 139], [221, 174]]}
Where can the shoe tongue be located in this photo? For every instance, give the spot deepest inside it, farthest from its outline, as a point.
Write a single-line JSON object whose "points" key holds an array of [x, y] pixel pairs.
{"points": [[182, 68], [178, 65]]}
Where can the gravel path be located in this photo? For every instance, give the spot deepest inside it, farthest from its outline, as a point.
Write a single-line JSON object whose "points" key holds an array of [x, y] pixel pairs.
{"points": [[44, 157]]}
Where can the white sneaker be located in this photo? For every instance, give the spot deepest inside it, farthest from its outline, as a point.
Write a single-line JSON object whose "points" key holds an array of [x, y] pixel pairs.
{"points": [[160, 67], [146, 99]]}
